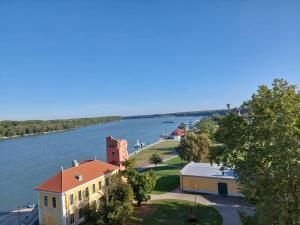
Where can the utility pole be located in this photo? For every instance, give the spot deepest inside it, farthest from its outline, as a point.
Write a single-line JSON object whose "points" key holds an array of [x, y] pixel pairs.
{"points": [[19, 214]]}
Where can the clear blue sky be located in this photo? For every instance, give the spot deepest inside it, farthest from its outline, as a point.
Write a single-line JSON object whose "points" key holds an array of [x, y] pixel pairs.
{"points": [[70, 58]]}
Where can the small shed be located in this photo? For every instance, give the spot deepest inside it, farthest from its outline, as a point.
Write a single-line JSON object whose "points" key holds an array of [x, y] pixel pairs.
{"points": [[210, 179]]}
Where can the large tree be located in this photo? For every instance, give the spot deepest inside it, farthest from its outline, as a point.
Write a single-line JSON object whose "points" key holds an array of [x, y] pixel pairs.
{"points": [[142, 183], [194, 147], [207, 126], [264, 147], [114, 207]]}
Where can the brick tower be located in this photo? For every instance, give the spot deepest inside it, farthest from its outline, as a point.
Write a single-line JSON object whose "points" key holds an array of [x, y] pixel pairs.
{"points": [[116, 151]]}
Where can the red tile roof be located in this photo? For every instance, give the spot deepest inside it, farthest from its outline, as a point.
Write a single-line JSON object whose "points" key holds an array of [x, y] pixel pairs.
{"points": [[66, 179], [178, 132]]}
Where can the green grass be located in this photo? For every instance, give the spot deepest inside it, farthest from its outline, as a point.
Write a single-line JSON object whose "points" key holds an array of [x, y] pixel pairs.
{"points": [[164, 149], [174, 212], [167, 176], [167, 179], [176, 162]]}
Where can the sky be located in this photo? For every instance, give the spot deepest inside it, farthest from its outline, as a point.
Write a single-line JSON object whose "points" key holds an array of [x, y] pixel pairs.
{"points": [[71, 58]]}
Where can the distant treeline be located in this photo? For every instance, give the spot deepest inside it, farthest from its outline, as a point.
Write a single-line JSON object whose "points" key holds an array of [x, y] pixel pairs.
{"points": [[182, 114], [32, 127]]}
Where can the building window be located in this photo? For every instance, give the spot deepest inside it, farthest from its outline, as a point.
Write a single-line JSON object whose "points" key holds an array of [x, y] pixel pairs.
{"points": [[94, 188], [79, 196], [72, 218], [53, 202], [100, 185], [80, 213], [106, 181], [71, 199], [45, 200], [87, 192]]}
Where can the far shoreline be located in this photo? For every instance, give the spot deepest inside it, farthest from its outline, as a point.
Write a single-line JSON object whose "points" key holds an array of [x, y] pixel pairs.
{"points": [[49, 132]]}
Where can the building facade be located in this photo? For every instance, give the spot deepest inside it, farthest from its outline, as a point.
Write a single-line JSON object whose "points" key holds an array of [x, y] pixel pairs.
{"points": [[116, 151], [209, 179], [62, 197]]}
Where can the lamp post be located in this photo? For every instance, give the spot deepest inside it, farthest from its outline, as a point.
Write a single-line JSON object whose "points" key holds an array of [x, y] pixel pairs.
{"points": [[19, 214]]}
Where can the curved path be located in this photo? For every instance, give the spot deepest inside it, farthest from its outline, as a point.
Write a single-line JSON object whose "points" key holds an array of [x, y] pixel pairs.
{"points": [[226, 206]]}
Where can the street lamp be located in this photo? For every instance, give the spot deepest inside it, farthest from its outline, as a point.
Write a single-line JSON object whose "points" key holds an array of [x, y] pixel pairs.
{"points": [[19, 214]]}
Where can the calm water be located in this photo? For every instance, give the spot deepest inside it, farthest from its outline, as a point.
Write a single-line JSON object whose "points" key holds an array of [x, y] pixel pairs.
{"points": [[26, 162]]}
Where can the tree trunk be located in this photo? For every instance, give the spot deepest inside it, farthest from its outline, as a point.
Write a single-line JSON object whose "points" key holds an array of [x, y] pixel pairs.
{"points": [[139, 203]]}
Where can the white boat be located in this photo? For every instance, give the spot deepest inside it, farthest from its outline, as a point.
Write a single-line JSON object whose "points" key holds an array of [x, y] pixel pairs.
{"points": [[137, 144]]}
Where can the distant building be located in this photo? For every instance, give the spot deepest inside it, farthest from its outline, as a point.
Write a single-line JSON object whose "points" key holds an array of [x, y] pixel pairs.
{"points": [[116, 151], [62, 197], [177, 134], [209, 179]]}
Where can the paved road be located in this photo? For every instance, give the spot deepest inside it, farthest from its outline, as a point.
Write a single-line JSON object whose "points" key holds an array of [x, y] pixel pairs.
{"points": [[226, 206]]}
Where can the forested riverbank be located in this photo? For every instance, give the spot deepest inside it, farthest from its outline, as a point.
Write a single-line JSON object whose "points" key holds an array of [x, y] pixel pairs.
{"points": [[10, 128]]}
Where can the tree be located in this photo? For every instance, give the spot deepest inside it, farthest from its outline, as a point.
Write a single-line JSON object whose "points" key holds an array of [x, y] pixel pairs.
{"points": [[194, 147], [155, 159], [264, 147], [142, 186], [142, 183], [182, 126], [114, 206], [207, 126], [230, 133], [2, 131]]}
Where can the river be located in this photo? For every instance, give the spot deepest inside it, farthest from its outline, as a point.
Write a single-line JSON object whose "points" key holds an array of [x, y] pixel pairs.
{"points": [[27, 161]]}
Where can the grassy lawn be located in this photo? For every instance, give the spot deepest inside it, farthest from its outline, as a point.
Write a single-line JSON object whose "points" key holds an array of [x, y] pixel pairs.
{"points": [[175, 162], [167, 175], [174, 212], [164, 149]]}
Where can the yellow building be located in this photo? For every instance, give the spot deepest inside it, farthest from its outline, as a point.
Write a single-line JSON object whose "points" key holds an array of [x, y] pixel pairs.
{"points": [[209, 179], [62, 197]]}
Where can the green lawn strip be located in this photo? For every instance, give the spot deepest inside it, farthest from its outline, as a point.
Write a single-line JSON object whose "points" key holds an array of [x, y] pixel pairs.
{"points": [[174, 212], [167, 179], [177, 161], [164, 149]]}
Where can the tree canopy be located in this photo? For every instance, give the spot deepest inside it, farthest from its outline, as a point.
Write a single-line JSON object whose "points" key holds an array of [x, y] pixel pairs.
{"points": [[155, 159], [194, 147], [207, 126], [30, 127], [142, 183], [264, 147], [114, 207]]}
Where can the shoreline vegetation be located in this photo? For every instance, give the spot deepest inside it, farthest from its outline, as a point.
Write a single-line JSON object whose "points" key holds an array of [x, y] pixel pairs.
{"points": [[203, 113], [14, 129]]}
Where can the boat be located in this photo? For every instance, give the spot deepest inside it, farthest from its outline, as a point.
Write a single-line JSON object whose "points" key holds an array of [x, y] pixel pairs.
{"points": [[168, 121], [137, 144]]}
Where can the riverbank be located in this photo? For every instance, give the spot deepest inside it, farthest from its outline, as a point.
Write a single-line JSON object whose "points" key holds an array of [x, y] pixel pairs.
{"points": [[164, 148], [14, 129], [49, 132]]}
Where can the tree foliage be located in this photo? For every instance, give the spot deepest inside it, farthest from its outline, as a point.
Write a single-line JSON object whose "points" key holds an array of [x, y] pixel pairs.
{"points": [[155, 159], [114, 206], [207, 126], [29, 127], [142, 183], [264, 147], [194, 147]]}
